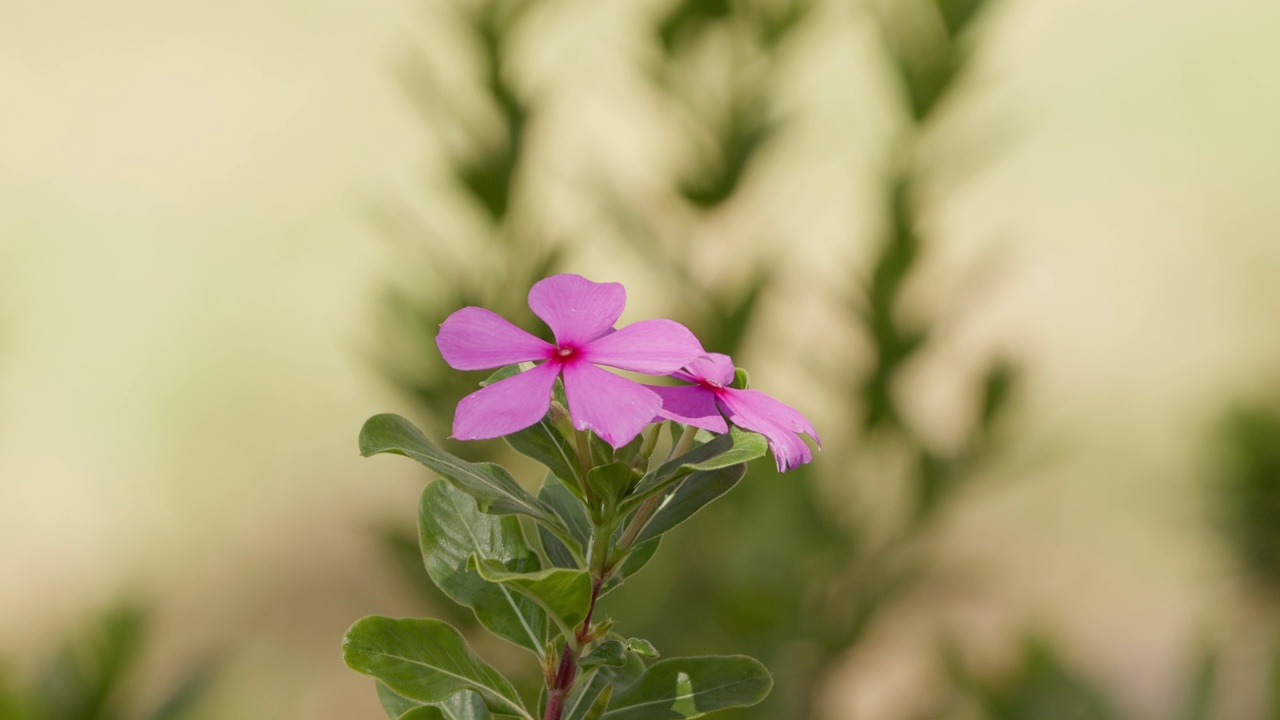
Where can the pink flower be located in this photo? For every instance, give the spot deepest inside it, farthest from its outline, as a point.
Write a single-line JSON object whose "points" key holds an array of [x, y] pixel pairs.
{"points": [[700, 405], [581, 315]]}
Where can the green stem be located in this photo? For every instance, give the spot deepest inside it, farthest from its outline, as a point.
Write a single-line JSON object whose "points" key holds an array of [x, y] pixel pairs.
{"points": [[559, 685]]}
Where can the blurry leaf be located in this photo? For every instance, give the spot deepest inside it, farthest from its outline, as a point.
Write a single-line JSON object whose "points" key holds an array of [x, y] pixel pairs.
{"points": [[425, 660], [180, 702], [563, 594], [571, 511], [1249, 490], [86, 673], [777, 24], [1040, 688], [495, 491], [720, 176], [640, 555], [957, 14], [692, 687], [690, 496], [688, 18], [893, 343], [1200, 700], [997, 388], [451, 530]]}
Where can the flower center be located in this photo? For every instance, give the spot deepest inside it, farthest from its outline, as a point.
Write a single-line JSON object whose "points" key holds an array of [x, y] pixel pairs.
{"points": [[710, 384], [565, 352]]}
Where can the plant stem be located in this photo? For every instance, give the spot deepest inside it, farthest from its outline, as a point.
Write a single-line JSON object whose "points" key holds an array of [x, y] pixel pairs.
{"points": [[558, 687]]}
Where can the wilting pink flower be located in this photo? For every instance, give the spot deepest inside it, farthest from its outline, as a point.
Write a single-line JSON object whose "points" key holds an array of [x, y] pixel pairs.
{"points": [[581, 315], [701, 405]]}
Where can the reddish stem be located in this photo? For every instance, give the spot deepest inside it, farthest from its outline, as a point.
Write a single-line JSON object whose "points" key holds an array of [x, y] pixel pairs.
{"points": [[568, 669]]}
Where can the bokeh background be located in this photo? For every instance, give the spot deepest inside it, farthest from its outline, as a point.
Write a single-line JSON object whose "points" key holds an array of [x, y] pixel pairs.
{"points": [[1017, 260]]}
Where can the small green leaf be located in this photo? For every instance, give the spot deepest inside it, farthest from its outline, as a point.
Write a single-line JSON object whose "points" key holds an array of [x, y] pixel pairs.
{"points": [[597, 681], [495, 491], [692, 687], [450, 531], [639, 556], [564, 594], [600, 705], [642, 647], [426, 660], [690, 496], [609, 482], [611, 652], [570, 510], [741, 380]]}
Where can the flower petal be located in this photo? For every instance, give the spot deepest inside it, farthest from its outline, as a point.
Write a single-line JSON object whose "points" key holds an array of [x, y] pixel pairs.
{"points": [[507, 405], [576, 309], [712, 367], [477, 339], [656, 347], [614, 408], [755, 411], [691, 405]]}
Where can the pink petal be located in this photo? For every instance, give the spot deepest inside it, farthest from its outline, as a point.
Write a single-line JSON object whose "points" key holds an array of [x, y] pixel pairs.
{"points": [[656, 347], [614, 408], [755, 411], [691, 405], [507, 405], [713, 367], [477, 339], [576, 309]]}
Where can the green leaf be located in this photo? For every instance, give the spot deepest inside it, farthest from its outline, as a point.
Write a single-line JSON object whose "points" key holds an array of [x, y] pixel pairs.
{"points": [[564, 594], [544, 443], [600, 705], [692, 687], [689, 497], [461, 706], [611, 652], [426, 660], [609, 482], [394, 703], [642, 647], [596, 682], [732, 448], [450, 531], [639, 556], [425, 712], [570, 510], [495, 491]]}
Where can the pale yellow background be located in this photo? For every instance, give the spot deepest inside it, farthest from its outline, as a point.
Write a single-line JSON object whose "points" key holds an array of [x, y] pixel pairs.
{"points": [[188, 281]]}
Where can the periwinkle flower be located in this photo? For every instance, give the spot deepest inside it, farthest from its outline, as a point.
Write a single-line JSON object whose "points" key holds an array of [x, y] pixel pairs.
{"points": [[581, 315], [701, 404]]}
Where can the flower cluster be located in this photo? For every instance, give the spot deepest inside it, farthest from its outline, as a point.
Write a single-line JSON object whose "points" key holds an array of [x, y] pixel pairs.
{"points": [[581, 315]]}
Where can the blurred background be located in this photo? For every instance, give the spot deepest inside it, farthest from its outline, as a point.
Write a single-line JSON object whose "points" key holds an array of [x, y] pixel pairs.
{"points": [[1016, 259]]}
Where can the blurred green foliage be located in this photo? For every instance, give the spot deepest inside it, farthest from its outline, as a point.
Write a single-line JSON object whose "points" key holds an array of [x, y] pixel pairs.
{"points": [[92, 676], [1248, 491]]}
